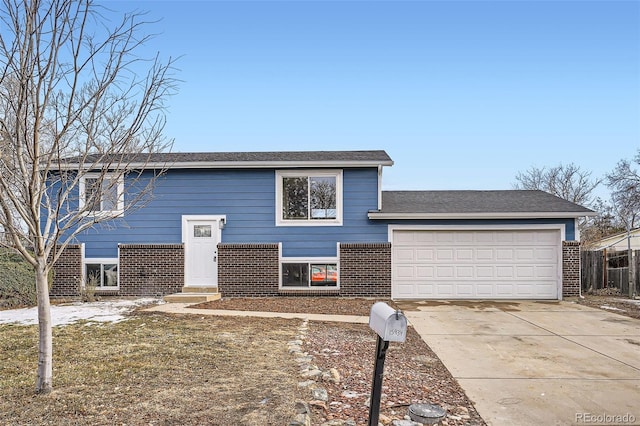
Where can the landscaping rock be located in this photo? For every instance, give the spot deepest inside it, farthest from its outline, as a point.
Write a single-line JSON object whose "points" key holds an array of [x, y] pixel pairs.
{"points": [[320, 394]]}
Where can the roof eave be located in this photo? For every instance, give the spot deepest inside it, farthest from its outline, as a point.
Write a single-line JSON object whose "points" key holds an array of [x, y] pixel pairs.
{"points": [[490, 215], [239, 164]]}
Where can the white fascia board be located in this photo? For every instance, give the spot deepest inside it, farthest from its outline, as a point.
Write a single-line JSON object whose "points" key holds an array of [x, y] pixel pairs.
{"points": [[518, 215], [239, 164]]}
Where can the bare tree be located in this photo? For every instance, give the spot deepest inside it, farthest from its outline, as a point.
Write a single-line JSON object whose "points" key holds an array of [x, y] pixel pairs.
{"points": [[80, 116], [624, 182], [604, 224], [565, 181]]}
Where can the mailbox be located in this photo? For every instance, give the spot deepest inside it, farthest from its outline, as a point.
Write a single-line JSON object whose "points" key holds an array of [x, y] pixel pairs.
{"points": [[391, 325]]}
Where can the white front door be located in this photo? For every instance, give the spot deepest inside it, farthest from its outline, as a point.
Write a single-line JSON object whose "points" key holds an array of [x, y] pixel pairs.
{"points": [[201, 235]]}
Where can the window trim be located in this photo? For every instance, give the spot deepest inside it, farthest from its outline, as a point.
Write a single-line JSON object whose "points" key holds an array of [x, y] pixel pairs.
{"points": [[335, 173], [119, 212], [309, 261], [101, 261]]}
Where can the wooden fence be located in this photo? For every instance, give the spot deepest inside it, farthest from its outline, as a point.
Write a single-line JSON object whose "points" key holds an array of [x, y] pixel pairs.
{"points": [[609, 269]]}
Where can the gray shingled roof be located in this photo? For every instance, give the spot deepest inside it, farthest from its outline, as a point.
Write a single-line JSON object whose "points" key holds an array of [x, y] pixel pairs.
{"points": [[211, 158], [477, 202]]}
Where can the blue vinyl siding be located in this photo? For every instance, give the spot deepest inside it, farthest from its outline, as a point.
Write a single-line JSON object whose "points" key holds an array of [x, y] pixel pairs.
{"points": [[247, 198]]}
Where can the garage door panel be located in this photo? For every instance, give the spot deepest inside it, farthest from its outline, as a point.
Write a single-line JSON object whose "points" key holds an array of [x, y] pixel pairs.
{"points": [[484, 237], [525, 271], [425, 238], [444, 254], [484, 272], [445, 237], [465, 290], [476, 264], [505, 272], [527, 237], [504, 237], [405, 291], [405, 255], [484, 254], [464, 238], [504, 289], [405, 272], [484, 290], [444, 289], [404, 237], [550, 238], [525, 290], [526, 254], [464, 254], [503, 254], [424, 254], [465, 272], [424, 290], [444, 271], [425, 272], [544, 288], [546, 272], [546, 253]]}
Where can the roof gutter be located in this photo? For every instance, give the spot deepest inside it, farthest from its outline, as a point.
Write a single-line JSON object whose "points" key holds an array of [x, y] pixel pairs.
{"points": [[486, 215]]}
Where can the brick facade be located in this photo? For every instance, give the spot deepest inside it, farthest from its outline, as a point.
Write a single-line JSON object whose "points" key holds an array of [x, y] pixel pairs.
{"points": [[151, 269], [365, 269], [253, 270], [67, 272], [248, 270], [570, 268]]}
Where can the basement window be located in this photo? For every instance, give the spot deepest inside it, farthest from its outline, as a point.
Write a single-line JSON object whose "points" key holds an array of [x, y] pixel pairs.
{"points": [[309, 275], [101, 274]]}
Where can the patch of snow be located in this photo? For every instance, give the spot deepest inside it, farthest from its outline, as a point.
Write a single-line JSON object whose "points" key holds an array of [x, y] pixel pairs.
{"points": [[103, 311], [611, 308], [630, 301]]}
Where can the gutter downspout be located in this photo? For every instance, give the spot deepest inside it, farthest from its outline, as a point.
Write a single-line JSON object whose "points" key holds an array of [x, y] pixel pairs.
{"points": [[379, 187]]}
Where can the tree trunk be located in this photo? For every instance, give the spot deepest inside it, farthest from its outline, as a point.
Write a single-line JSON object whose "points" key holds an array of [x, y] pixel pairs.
{"points": [[45, 346]]}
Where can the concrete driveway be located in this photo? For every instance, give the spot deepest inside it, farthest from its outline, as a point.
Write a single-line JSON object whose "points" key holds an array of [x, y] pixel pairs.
{"points": [[535, 363]]}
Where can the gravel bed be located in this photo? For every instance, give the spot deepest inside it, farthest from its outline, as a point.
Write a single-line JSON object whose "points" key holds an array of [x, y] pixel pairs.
{"points": [[412, 374], [616, 304]]}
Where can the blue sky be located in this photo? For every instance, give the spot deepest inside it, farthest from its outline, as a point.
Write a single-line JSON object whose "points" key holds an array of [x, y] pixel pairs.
{"points": [[461, 94]]}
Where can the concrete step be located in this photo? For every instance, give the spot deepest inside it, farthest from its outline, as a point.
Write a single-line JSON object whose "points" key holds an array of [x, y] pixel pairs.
{"points": [[191, 297], [200, 290]]}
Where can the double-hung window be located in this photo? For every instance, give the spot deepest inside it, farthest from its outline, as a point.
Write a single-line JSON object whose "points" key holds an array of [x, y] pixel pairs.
{"points": [[309, 198], [102, 194]]}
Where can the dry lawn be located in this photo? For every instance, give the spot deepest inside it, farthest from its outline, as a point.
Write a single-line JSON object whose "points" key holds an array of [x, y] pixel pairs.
{"points": [[154, 369]]}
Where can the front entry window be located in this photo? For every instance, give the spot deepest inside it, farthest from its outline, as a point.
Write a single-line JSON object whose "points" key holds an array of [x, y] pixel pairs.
{"points": [[202, 231]]}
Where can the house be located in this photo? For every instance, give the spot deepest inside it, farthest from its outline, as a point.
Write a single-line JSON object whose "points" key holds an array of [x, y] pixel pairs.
{"points": [[318, 223], [618, 242]]}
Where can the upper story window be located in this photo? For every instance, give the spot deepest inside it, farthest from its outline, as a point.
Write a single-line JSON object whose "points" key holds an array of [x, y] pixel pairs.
{"points": [[102, 194], [309, 198]]}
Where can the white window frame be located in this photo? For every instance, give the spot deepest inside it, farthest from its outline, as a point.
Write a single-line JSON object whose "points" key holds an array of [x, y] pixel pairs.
{"points": [[101, 261], [120, 194], [310, 261], [281, 174]]}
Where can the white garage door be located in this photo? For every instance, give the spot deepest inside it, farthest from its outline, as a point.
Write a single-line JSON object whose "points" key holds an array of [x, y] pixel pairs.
{"points": [[513, 264]]}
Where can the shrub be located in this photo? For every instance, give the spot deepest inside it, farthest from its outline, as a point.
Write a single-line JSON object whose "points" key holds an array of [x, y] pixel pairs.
{"points": [[17, 282]]}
